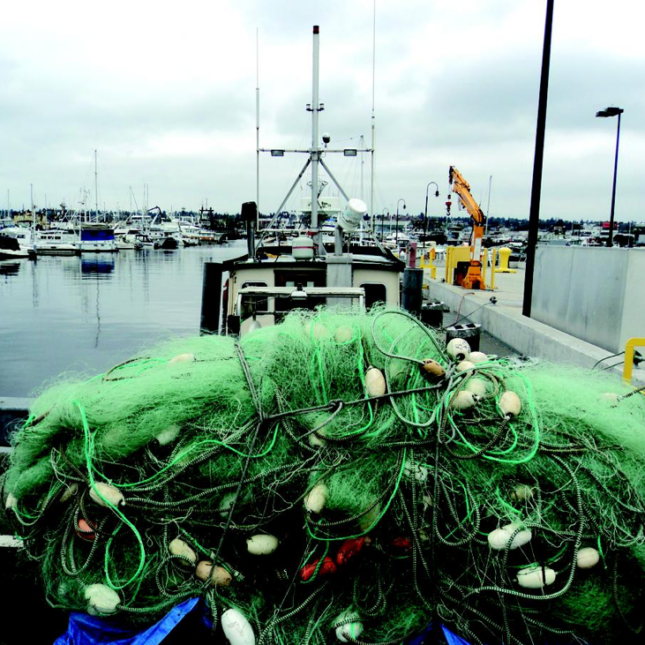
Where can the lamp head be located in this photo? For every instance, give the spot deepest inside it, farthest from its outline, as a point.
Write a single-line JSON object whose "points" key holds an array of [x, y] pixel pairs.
{"points": [[610, 111]]}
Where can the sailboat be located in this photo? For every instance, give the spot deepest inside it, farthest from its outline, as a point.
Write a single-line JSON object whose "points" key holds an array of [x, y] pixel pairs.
{"points": [[96, 236]]}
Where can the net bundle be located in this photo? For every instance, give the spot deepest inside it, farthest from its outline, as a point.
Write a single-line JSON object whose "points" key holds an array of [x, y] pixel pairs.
{"points": [[340, 476]]}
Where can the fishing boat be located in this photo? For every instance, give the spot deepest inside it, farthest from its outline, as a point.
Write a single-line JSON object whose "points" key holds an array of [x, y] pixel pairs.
{"points": [[306, 266]]}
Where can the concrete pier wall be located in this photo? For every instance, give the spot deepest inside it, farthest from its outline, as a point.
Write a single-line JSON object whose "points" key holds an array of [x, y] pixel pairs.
{"points": [[594, 294]]}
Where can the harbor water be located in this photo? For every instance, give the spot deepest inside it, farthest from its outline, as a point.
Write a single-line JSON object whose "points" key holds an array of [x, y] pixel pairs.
{"points": [[84, 314]]}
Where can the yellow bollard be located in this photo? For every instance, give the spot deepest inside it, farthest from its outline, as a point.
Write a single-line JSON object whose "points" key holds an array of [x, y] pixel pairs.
{"points": [[504, 257], [630, 348]]}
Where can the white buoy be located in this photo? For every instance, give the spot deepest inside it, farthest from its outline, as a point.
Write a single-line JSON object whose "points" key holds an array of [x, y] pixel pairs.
{"points": [[463, 400], [415, 471], [374, 382], [11, 502], [262, 544], [179, 547], [169, 434], [353, 629], [101, 599], [510, 404], [183, 358], [477, 386], [477, 357], [105, 494], [317, 498], [343, 334], [499, 538], [458, 348], [320, 332], [226, 503], [587, 558], [612, 398], [236, 628], [522, 492], [535, 577], [464, 366], [316, 441]]}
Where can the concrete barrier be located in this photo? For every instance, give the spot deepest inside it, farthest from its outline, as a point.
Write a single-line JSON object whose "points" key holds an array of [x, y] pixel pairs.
{"points": [[595, 294]]}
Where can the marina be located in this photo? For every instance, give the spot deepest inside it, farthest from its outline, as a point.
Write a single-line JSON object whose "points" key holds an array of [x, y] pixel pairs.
{"points": [[322, 423], [85, 313]]}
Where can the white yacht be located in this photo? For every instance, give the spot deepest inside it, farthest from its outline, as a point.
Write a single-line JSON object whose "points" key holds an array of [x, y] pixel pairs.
{"points": [[15, 242], [56, 242]]}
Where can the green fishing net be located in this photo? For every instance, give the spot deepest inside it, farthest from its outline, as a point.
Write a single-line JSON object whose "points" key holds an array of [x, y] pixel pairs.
{"points": [[322, 480]]}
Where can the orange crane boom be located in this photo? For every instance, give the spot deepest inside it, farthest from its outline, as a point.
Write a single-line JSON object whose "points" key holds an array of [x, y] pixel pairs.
{"points": [[470, 276]]}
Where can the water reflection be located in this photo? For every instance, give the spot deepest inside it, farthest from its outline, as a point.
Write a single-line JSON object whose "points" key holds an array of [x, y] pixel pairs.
{"points": [[99, 264], [86, 314], [9, 267]]}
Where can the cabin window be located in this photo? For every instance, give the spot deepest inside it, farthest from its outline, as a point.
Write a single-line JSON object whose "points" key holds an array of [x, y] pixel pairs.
{"points": [[261, 304], [375, 292]]}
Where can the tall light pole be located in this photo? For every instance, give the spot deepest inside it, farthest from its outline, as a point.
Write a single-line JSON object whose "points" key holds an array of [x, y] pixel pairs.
{"points": [[383, 220], [425, 219], [538, 161], [613, 111], [396, 239]]}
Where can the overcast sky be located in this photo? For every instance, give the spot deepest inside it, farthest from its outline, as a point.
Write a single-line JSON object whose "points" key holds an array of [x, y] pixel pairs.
{"points": [[165, 91]]}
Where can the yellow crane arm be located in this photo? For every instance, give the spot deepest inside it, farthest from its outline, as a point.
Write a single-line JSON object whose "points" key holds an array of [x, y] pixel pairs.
{"points": [[462, 188], [473, 278]]}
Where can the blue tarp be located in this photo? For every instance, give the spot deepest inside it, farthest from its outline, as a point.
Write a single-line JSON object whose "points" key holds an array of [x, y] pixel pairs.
{"points": [[84, 629], [451, 637]]}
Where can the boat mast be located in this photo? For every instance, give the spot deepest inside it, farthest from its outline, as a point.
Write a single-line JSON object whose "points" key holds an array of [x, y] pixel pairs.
{"points": [[96, 185], [33, 210], [315, 146], [257, 126]]}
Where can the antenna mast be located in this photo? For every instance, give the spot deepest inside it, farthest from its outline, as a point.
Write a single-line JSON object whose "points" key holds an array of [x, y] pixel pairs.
{"points": [[315, 148], [257, 124]]}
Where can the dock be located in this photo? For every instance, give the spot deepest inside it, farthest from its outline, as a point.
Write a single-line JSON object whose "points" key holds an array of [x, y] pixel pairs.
{"points": [[504, 321]]}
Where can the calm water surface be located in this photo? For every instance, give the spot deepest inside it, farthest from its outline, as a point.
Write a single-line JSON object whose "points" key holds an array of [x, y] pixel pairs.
{"points": [[88, 313]]}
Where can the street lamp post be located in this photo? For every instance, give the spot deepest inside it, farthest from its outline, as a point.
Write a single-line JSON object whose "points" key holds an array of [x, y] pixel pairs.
{"points": [[396, 240], [425, 219], [383, 220], [613, 111]]}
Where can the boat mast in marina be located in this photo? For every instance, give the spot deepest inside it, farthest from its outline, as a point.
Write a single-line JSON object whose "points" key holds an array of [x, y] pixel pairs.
{"points": [[96, 185], [292, 270], [314, 152]]}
